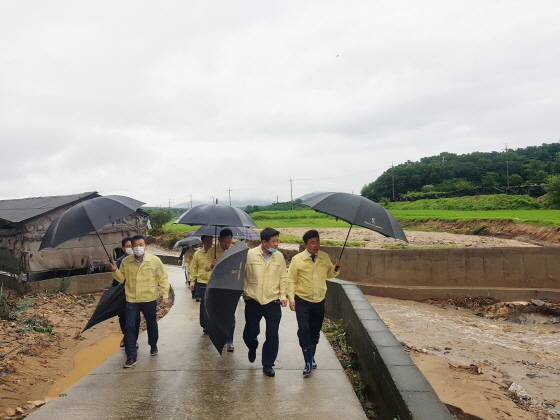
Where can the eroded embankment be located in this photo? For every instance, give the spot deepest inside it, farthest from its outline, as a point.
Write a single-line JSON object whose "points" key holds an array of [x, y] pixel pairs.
{"points": [[539, 235]]}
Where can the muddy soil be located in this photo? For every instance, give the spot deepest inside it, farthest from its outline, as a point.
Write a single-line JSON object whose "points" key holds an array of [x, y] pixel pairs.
{"points": [[37, 348], [416, 238], [473, 360]]}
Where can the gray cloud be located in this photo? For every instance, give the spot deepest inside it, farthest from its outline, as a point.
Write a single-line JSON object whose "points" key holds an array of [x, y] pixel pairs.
{"points": [[163, 100]]}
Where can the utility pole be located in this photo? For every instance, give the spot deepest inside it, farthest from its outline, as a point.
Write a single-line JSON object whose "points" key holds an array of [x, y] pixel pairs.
{"points": [[393, 179], [507, 166], [191, 200], [229, 192], [277, 198], [169, 202], [291, 194]]}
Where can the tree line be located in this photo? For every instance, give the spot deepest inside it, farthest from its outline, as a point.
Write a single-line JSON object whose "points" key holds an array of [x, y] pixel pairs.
{"points": [[448, 172]]}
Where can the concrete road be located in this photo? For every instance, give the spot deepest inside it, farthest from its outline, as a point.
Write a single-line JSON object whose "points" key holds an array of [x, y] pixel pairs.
{"points": [[190, 380]]}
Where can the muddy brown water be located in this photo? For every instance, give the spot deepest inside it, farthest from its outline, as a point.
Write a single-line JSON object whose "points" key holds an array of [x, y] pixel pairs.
{"points": [[526, 353], [84, 361]]}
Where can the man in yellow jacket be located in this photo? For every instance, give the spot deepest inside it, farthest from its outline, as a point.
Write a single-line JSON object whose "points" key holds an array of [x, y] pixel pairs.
{"points": [[142, 274], [264, 294], [199, 275], [307, 287]]}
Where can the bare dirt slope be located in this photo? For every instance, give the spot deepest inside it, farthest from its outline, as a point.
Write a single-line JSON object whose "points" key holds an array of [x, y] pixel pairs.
{"points": [[415, 238]]}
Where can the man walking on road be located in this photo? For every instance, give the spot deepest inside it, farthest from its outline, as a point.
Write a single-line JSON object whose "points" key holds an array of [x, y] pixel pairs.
{"points": [[307, 287], [199, 276], [142, 274], [264, 294], [213, 256]]}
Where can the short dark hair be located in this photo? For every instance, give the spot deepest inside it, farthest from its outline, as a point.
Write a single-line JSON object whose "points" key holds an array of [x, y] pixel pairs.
{"points": [[125, 240], [268, 233], [203, 237], [137, 238], [310, 234], [224, 233]]}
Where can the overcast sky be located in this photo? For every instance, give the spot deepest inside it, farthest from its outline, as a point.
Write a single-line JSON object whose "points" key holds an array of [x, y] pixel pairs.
{"points": [[159, 100]]}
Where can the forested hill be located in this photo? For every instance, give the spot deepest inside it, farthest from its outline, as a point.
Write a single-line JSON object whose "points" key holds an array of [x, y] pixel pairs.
{"points": [[451, 172]]}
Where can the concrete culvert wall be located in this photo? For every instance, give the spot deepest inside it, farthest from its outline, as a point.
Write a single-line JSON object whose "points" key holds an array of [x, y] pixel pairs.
{"points": [[501, 273], [392, 380]]}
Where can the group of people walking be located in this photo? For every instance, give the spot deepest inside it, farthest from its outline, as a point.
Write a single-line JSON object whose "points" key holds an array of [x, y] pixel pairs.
{"points": [[268, 287]]}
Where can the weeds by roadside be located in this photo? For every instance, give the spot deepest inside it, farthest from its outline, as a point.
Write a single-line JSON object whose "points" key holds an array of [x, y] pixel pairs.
{"points": [[336, 335]]}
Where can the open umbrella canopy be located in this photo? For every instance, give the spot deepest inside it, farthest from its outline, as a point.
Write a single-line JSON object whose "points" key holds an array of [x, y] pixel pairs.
{"points": [[87, 217], [112, 303], [215, 215], [188, 241], [357, 210], [222, 294], [239, 232]]}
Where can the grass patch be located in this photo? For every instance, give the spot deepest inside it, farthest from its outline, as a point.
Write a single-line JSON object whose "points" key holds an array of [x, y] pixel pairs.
{"points": [[336, 335], [470, 203], [548, 218], [36, 323]]}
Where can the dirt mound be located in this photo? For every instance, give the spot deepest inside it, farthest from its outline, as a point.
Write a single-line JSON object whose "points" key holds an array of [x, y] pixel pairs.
{"points": [[538, 235]]}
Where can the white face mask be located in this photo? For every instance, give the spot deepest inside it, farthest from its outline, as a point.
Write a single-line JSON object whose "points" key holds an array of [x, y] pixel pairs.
{"points": [[138, 250], [128, 251]]}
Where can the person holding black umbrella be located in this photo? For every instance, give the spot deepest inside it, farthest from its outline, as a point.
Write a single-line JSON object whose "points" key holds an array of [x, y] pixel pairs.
{"points": [[307, 287], [213, 256], [126, 246], [142, 274], [264, 294], [199, 275]]}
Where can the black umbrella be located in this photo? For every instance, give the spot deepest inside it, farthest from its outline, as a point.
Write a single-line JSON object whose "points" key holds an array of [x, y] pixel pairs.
{"points": [[357, 210], [215, 215], [188, 241], [240, 233], [87, 217], [112, 303], [222, 294]]}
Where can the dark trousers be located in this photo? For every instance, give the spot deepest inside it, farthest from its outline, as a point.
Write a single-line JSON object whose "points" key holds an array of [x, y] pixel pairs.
{"points": [[122, 315], [272, 313], [200, 291], [310, 316], [149, 309]]}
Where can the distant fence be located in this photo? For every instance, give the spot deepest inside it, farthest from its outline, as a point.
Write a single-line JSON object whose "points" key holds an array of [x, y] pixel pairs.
{"points": [[501, 273]]}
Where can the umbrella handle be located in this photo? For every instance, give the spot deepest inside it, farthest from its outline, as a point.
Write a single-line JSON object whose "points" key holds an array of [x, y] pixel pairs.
{"points": [[344, 246], [102, 244]]}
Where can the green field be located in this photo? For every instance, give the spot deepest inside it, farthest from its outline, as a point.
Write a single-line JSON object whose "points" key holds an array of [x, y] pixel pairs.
{"points": [[550, 218], [312, 219]]}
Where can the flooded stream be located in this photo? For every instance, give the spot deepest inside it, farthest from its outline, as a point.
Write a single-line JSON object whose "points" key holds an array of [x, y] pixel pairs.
{"points": [[526, 352]]}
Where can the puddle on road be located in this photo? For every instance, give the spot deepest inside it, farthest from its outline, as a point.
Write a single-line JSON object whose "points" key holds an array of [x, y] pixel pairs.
{"points": [[85, 360]]}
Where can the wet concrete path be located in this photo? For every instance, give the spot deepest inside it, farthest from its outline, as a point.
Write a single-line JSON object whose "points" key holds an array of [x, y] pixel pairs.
{"points": [[190, 380]]}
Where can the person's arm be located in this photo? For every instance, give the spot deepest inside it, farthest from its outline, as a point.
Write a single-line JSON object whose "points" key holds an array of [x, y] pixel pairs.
{"points": [[291, 283], [283, 282], [163, 282], [118, 273], [332, 272]]}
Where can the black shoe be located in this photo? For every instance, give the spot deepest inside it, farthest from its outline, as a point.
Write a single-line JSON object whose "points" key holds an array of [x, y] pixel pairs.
{"points": [[313, 362], [268, 371], [252, 355], [198, 299], [307, 369], [153, 351], [204, 331], [129, 363], [122, 344]]}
